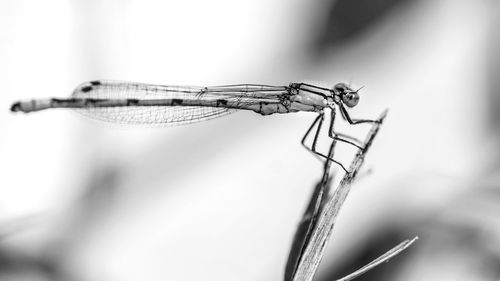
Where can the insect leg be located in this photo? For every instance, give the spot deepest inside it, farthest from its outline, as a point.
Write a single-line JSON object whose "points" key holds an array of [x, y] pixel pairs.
{"points": [[319, 118], [339, 136], [312, 149], [353, 121]]}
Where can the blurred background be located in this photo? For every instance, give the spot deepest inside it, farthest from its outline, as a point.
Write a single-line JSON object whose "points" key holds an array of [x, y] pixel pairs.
{"points": [[220, 200]]}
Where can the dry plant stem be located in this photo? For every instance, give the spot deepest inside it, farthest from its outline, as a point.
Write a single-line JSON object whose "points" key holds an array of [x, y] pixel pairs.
{"points": [[306, 226], [320, 229], [316, 246], [384, 258]]}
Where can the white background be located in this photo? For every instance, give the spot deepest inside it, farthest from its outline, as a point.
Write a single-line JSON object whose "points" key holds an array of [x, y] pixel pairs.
{"points": [[219, 200]]}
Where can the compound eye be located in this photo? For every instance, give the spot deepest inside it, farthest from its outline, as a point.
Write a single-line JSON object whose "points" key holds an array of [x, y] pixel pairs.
{"points": [[350, 99], [340, 88]]}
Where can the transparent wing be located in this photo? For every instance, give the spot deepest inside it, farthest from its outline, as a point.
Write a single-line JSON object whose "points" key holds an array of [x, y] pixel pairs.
{"points": [[155, 115], [166, 115]]}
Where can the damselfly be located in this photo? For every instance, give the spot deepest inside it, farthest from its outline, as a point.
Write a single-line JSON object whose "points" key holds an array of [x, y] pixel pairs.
{"points": [[137, 103]]}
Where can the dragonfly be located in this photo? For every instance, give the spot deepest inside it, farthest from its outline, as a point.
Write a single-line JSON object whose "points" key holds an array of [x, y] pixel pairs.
{"points": [[148, 104]]}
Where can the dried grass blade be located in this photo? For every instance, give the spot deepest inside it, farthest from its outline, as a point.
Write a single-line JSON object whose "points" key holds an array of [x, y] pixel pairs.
{"points": [[315, 244]]}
